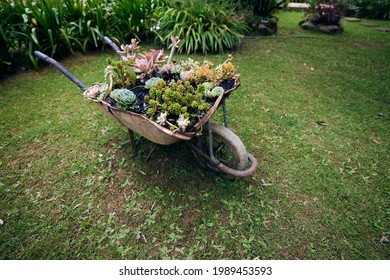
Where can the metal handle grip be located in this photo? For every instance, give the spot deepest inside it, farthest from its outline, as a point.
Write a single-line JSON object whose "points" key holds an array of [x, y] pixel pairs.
{"points": [[113, 46], [60, 68]]}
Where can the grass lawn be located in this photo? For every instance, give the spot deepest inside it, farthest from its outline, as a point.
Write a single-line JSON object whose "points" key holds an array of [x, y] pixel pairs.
{"points": [[315, 112]]}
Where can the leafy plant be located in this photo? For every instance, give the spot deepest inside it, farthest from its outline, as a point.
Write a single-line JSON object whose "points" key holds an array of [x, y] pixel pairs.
{"points": [[265, 8], [87, 22], [47, 26], [132, 18], [10, 23], [59, 27], [259, 15], [379, 9], [326, 12], [201, 26]]}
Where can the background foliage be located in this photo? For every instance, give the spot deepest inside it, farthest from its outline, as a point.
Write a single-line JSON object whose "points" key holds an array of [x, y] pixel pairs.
{"points": [[60, 27], [201, 26], [379, 9]]}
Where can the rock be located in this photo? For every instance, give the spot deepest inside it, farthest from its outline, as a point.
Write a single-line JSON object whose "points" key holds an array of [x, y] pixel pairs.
{"points": [[369, 24], [297, 6], [384, 29], [352, 19], [308, 25], [331, 29]]}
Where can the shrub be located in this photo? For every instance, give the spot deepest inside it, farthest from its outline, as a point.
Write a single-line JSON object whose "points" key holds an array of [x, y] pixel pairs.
{"points": [[379, 9], [87, 22], [132, 18], [326, 12], [201, 26], [10, 23], [260, 15], [57, 27]]}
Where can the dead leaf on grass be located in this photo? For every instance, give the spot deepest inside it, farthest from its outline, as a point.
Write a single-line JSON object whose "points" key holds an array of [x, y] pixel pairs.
{"points": [[384, 239]]}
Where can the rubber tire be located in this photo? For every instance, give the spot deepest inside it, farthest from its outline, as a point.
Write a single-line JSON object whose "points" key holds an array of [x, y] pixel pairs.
{"points": [[232, 142]]}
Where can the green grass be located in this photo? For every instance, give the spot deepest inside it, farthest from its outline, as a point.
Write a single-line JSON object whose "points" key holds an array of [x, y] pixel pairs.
{"points": [[69, 190]]}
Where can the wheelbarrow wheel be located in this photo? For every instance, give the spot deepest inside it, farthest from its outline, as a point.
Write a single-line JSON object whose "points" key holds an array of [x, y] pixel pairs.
{"points": [[227, 147]]}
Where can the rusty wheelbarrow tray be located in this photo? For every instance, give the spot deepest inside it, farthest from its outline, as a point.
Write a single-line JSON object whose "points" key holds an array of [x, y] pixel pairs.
{"points": [[153, 131]]}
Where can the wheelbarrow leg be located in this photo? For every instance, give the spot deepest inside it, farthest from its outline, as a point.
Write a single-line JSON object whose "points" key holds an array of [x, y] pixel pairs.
{"points": [[225, 123], [132, 142]]}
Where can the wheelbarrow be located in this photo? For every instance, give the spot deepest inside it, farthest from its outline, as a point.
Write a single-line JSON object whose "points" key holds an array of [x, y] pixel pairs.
{"points": [[217, 148]]}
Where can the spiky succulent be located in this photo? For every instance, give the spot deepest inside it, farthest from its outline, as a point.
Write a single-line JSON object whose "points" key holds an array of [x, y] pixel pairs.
{"points": [[125, 98]]}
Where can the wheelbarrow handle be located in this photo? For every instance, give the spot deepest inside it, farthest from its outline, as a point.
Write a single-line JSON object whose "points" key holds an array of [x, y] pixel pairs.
{"points": [[60, 68], [113, 46]]}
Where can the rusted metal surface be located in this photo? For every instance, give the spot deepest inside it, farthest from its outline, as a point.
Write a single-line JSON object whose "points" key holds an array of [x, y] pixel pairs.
{"points": [[144, 126], [252, 168]]}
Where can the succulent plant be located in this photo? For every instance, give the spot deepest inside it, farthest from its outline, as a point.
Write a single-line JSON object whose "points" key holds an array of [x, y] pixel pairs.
{"points": [[162, 118], [207, 85], [226, 70], [167, 69], [128, 51], [215, 92], [96, 90], [177, 69], [125, 98], [174, 45], [176, 99], [189, 64], [149, 62], [187, 75], [178, 94], [204, 73], [152, 81], [119, 74], [182, 122]]}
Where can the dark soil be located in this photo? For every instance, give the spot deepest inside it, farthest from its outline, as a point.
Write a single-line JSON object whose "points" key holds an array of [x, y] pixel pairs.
{"points": [[227, 85]]}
